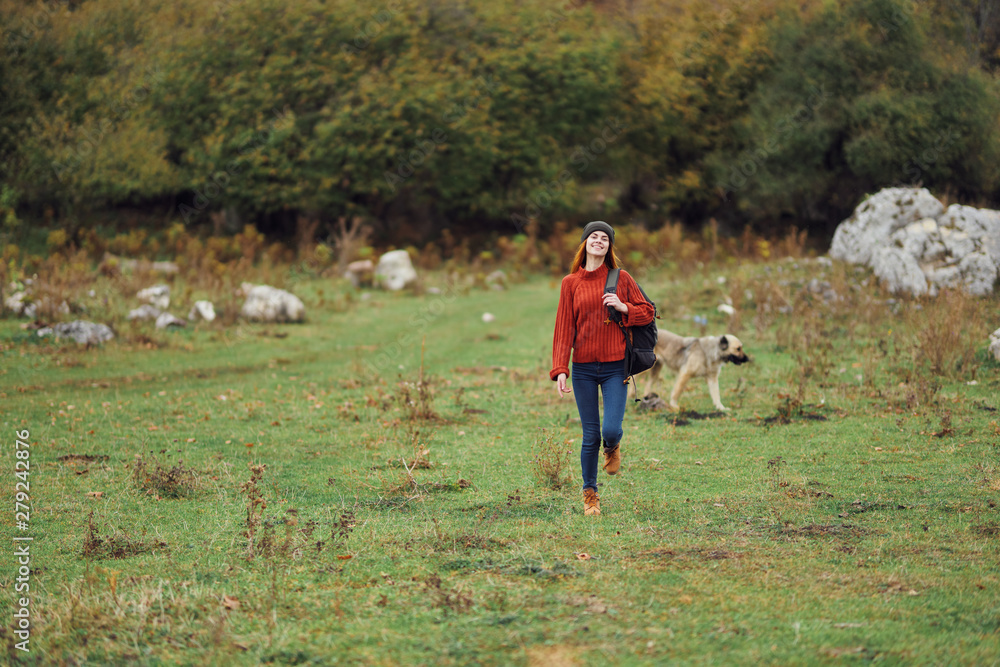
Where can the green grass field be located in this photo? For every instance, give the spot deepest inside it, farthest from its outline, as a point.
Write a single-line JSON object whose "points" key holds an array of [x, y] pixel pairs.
{"points": [[421, 505]]}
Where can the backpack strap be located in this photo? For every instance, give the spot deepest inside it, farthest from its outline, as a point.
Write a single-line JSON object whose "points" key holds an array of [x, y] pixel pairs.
{"points": [[611, 287]]}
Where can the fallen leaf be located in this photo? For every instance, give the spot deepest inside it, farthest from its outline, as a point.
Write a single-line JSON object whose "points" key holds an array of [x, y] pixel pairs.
{"points": [[345, 557], [230, 603], [95, 494]]}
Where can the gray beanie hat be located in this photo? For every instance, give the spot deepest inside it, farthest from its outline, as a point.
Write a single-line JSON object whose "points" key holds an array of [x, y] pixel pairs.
{"points": [[598, 225]]}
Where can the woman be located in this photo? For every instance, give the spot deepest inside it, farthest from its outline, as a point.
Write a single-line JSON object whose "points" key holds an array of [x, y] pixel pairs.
{"points": [[583, 325]]}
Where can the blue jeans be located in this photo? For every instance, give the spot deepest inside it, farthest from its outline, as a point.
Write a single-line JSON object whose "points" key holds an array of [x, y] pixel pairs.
{"points": [[610, 377]]}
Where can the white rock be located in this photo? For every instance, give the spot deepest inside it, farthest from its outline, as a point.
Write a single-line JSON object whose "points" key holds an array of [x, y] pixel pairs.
{"points": [[269, 304], [19, 303], [979, 273], [81, 331], [978, 223], [144, 312], [167, 320], [165, 267], [497, 280], [22, 303], [920, 239], [395, 270], [994, 347], [489, 317], [202, 310], [361, 272], [899, 270], [954, 248], [157, 295], [876, 218]]}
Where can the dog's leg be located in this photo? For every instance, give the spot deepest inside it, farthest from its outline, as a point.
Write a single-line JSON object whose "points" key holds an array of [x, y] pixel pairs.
{"points": [[713, 390], [653, 372], [683, 376]]}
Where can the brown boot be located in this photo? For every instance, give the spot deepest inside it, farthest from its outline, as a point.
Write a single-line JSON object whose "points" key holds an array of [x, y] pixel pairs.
{"points": [[591, 503], [613, 460]]}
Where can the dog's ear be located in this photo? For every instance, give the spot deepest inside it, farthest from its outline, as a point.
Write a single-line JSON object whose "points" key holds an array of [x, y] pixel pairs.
{"points": [[724, 343]]}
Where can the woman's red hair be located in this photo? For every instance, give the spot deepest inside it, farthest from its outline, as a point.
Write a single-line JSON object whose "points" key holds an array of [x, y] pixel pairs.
{"points": [[581, 257]]}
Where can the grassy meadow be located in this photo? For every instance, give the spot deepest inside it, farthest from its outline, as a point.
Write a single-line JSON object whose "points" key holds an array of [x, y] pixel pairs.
{"points": [[396, 481]]}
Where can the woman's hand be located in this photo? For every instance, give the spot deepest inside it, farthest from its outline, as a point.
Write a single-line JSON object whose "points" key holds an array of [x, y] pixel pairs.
{"points": [[611, 300], [561, 385]]}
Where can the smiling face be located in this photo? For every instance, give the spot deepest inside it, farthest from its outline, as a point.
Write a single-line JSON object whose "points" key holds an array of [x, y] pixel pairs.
{"points": [[598, 244]]}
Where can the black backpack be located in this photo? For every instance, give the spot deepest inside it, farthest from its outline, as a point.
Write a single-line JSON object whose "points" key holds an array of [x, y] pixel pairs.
{"points": [[640, 340]]}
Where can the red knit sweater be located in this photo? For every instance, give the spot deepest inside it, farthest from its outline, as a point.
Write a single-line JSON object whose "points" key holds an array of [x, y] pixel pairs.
{"points": [[582, 319]]}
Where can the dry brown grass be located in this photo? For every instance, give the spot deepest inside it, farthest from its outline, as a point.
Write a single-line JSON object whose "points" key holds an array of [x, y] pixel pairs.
{"points": [[949, 333]]}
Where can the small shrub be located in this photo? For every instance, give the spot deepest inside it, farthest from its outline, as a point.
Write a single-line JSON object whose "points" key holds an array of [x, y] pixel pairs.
{"points": [[450, 599], [947, 349], [774, 469], [155, 478], [118, 544], [551, 463], [255, 504]]}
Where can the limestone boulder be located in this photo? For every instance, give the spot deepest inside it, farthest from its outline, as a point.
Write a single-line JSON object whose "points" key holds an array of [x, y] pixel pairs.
{"points": [[918, 248], [166, 320], [82, 331], [202, 310], [361, 273], [18, 302], [157, 296], [994, 347], [876, 218], [395, 270], [270, 304], [144, 312]]}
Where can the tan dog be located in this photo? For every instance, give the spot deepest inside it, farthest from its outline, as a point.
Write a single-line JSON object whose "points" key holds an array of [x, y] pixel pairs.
{"points": [[695, 357]]}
